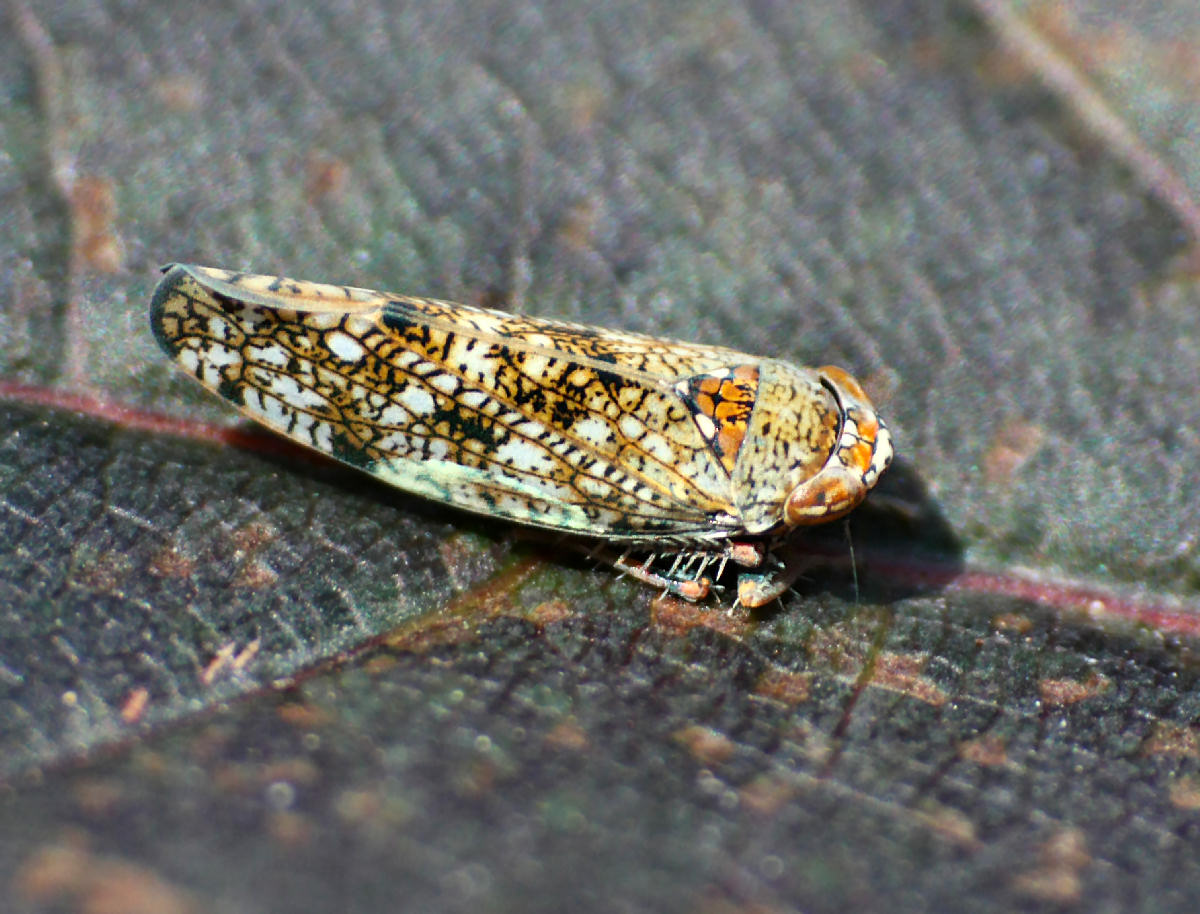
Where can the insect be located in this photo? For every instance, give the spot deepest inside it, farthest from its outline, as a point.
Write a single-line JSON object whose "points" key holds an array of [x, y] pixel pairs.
{"points": [[680, 454]]}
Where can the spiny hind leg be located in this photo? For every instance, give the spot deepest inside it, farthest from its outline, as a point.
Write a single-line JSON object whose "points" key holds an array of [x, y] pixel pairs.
{"points": [[681, 574], [684, 577]]}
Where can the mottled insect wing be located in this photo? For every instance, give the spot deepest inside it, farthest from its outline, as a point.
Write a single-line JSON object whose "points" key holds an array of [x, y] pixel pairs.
{"points": [[474, 408]]}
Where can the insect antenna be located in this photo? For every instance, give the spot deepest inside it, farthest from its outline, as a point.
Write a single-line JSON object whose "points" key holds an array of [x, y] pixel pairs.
{"points": [[853, 560]]}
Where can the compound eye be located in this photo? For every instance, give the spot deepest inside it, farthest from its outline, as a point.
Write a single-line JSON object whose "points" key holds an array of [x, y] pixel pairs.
{"points": [[862, 453]]}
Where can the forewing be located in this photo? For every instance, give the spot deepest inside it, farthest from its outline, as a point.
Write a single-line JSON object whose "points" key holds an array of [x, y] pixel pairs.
{"points": [[546, 423]]}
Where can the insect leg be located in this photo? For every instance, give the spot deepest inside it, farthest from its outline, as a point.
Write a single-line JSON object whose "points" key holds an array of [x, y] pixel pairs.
{"points": [[759, 589], [787, 564], [748, 554], [691, 589]]}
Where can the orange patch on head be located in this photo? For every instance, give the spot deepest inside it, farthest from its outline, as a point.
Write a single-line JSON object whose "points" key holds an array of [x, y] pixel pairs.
{"points": [[868, 425], [860, 456]]}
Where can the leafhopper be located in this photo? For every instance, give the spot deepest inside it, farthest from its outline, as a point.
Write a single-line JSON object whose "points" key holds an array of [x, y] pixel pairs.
{"points": [[677, 455]]}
